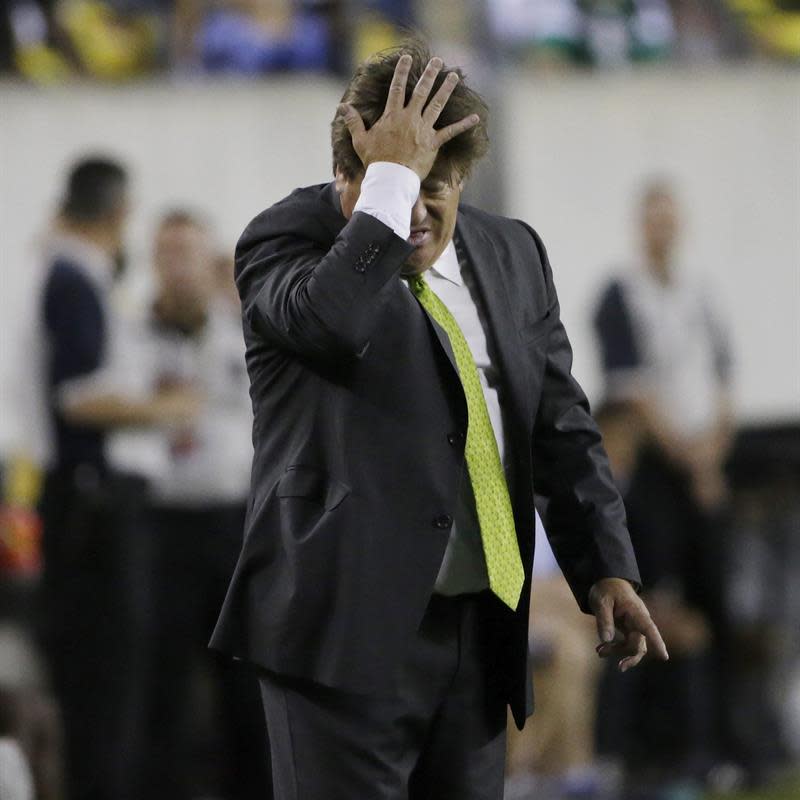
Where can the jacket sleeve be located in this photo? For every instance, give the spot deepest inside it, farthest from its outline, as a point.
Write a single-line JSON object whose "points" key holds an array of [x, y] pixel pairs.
{"points": [[584, 516], [313, 302]]}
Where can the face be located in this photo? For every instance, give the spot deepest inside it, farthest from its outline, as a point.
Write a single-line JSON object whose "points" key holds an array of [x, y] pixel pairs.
{"points": [[183, 261], [660, 224], [433, 217]]}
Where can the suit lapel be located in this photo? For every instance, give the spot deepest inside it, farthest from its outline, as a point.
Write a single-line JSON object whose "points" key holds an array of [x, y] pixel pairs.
{"points": [[479, 251]]}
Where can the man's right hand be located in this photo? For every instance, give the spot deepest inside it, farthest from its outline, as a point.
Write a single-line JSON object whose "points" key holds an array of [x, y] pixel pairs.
{"points": [[404, 133]]}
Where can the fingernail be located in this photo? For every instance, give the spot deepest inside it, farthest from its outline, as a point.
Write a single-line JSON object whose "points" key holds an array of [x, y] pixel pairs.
{"points": [[436, 62]]}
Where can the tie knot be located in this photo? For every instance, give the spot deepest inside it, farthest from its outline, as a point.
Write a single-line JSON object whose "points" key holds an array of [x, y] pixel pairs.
{"points": [[417, 284]]}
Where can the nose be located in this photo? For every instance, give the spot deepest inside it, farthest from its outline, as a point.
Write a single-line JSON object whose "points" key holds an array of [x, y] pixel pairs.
{"points": [[419, 212]]}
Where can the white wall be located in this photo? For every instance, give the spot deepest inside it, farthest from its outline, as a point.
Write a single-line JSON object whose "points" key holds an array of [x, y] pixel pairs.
{"points": [[576, 150]]}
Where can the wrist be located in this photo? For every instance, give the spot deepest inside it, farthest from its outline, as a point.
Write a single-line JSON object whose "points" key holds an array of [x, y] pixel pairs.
{"points": [[388, 192]]}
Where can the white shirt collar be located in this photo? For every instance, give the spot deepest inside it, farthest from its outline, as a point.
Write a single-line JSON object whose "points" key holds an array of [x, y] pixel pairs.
{"points": [[447, 265], [85, 255]]}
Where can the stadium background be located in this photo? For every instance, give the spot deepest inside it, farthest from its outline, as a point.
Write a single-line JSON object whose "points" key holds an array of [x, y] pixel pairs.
{"points": [[225, 108]]}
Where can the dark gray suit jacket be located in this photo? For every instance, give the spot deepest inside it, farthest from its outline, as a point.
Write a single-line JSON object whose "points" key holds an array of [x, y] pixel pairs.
{"points": [[359, 434]]}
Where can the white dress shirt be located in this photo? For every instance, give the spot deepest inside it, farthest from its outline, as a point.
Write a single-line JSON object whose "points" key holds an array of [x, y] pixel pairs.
{"points": [[682, 341], [388, 192]]}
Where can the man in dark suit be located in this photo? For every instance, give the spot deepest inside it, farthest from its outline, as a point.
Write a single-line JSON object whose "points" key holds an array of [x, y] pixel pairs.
{"points": [[411, 387]]}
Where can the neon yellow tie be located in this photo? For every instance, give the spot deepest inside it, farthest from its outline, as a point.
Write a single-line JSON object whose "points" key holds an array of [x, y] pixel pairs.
{"points": [[493, 504]]}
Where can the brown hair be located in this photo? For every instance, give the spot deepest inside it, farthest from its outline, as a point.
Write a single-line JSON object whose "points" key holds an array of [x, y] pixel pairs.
{"points": [[368, 90]]}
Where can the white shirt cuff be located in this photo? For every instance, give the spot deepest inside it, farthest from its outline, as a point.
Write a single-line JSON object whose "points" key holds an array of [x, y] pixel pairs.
{"points": [[388, 193]]}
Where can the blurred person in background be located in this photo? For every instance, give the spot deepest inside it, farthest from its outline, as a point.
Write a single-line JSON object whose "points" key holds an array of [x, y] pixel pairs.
{"points": [[605, 33], [657, 723], [252, 37], [774, 25], [665, 354], [53, 40], [94, 583], [188, 340], [30, 39], [400, 424]]}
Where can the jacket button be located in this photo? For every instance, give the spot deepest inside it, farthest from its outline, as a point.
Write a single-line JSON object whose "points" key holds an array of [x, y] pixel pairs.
{"points": [[443, 522], [455, 437]]}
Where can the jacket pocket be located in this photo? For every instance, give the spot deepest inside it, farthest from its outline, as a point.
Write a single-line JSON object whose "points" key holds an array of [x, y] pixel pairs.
{"points": [[312, 484]]}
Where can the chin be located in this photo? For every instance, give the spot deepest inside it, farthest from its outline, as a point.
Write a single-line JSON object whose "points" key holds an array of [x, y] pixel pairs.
{"points": [[421, 260]]}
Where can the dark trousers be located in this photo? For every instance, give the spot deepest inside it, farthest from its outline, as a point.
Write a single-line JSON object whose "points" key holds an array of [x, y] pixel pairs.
{"points": [[440, 735], [199, 747], [95, 625]]}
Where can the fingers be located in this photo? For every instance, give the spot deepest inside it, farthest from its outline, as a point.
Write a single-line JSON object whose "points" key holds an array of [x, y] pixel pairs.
{"points": [[637, 619], [435, 107], [451, 131], [641, 651], [604, 617], [424, 85], [641, 634], [352, 119], [631, 650], [397, 89], [654, 640]]}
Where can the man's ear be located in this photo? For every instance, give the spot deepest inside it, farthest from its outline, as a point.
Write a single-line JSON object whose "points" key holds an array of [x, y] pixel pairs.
{"points": [[339, 180]]}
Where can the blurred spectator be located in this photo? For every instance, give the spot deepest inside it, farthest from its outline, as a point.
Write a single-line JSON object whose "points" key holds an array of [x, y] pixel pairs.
{"points": [[775, 24], [658, 722], [598, 32], [111, 40], [763, 598], [380, 24], [52, 40], [706, 31], [95, 560], [30, 42], [198, 473], [253, 37], [28, 715], [666, 359], [664, 348]]}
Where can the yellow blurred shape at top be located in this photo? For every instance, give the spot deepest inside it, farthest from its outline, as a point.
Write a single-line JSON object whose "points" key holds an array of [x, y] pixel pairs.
{"points": [[107, 46], [373, 34], [41, 64]]}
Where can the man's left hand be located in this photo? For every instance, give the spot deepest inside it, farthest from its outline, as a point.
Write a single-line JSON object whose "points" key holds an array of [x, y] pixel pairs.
{"points": [[624, 624]]}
